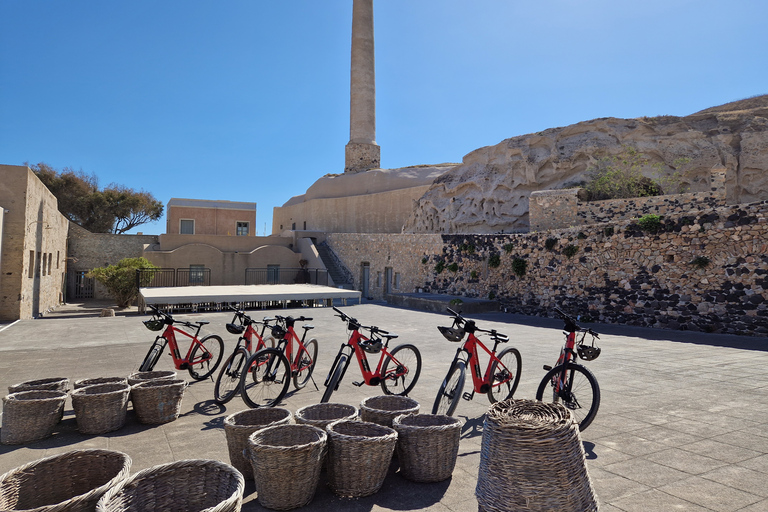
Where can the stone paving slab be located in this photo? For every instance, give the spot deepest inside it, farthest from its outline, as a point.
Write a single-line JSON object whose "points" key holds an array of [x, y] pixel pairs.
{"points": [[681, 426]]}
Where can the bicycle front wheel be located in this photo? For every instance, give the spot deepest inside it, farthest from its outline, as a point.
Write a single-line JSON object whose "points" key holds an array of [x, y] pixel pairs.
{"points": [[205, 357], [228, 381], [505, 375], [338, 373], [401, 370], [450, 390], [150, 360], [265, 379], [579, 392], [305, 363]]}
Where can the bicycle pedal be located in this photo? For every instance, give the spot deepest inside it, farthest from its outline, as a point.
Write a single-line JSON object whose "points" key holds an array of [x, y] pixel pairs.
{"points": [[468, 396], [358, 384], [547, 367]]}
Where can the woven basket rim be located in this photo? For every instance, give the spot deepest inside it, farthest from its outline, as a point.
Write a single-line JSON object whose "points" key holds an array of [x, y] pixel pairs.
{"points": [[22, 396], [368, 404], [37, 382], [442, 421], [156, 383], [154, 374], [102, 389], [281, 415], [81, 383], [301, 413], [384, 432], [322, 437]]}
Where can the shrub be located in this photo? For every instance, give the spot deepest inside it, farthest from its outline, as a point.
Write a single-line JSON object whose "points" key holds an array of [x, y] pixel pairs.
{"points": [[473, 274], [439, 267], [700, 262], [456, 302], [621, 177], [608, 231], [519, 266], [650, 223], [581, 236], [120, 279], [550, 243], [424, 260], [508, 247], [453, 267], [494, 260], [570, 250], [491, 295]]}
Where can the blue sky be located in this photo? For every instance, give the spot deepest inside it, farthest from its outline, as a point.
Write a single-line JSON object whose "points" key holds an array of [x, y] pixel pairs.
{"points": [[249, 100]]}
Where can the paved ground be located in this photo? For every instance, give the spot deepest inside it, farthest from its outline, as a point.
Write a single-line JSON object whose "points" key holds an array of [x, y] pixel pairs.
{"points": [[683, 423]]}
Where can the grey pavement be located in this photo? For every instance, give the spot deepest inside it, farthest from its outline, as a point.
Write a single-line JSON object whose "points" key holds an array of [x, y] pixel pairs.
{"points": [[683, 422]]}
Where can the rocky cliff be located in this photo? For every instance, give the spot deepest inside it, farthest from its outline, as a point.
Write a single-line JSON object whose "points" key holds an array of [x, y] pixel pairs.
{"points": [[488, 192]]}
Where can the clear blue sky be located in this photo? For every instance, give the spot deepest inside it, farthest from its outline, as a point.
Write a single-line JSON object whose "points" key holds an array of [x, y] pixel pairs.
{"points": [[249, 100]]}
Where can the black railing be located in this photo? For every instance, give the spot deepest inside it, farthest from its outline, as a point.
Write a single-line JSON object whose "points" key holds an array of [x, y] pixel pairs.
{"points": [[157, 277], [193, 277], [286, 276]]}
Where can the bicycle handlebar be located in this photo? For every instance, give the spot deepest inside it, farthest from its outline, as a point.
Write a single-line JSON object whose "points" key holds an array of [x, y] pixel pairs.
{"points": [[459, 320], [571, 325], [354, 324]]}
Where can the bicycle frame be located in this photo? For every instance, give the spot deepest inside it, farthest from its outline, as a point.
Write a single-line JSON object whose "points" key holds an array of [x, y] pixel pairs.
{"points": [[480, 384], [567, 355], [371, 377], [287, 343], [169, 335]]}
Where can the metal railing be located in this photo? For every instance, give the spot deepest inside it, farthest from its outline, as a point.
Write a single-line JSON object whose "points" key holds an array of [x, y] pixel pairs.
{"points": [[159, 277], [286, 276]]}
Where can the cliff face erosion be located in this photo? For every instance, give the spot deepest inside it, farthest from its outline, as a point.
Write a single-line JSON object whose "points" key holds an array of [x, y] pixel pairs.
{"points": [[488, 192]]}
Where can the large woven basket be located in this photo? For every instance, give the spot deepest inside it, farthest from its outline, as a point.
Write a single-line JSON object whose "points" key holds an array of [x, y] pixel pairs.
{"points": [[427, 446], [72, 481], [158, 401], [322, 414], [139, 377], [99, 380], [240, 425], [31, 415], [182, 486], [101, 408], [49, 384], [359, 453], [385, 408], [532, 458]]}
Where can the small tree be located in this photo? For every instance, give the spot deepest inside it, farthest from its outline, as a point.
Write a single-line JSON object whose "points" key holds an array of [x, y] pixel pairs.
{"points": [[120, 279], [621, 177]]}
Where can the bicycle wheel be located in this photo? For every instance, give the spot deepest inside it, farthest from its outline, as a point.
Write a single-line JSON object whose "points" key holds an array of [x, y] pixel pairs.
{"points": [[405, 362], [150, 360], [450, 390], [205, 357], [228, 381], [580, 394], [265, 381], [305, 364], [505, 375], [336, 375]]}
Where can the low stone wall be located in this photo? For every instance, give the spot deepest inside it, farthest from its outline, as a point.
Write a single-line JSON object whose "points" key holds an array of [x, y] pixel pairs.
{"points": [[706, 271]]}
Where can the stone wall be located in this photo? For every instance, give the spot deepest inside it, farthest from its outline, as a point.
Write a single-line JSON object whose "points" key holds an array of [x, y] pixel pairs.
{"points": [[555, 209], [704, 271]]}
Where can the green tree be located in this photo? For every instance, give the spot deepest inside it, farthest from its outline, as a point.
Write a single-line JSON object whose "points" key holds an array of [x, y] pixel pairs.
{"points": [[116, 209], [120, 279]]}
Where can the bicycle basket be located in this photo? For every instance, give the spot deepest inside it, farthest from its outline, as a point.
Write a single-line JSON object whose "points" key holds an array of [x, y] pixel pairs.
{"points": [[452, 333], [371, 346], [278, 332], [588, 353], [154, 324], [235, 329]]}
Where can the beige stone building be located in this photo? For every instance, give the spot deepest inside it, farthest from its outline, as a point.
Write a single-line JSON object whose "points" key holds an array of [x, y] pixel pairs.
{"points": [[204, 217], [33, 246]]}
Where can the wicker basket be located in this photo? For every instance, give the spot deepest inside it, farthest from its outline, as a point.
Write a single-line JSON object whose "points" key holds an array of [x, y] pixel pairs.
{"points": [[31, 415], [322, 414], [99, 380], [239, 426], [139, 377], [286, 462], [532, 458], [181, 486], [101, 408], [383, 409], [72, 481], [359, 453], [50, 384], [158, 401], [427, 446]]}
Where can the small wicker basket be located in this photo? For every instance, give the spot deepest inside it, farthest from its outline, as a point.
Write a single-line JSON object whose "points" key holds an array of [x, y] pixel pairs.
{"points": [[101, 408], [286, 462], [49, 384], [181, 486], [240, 425], [385, 408], [99, 380], [139, 377], [427, 446], [158, 401], [322, 414], [72, 481], [532, 458], [31, 415], [359, 453]]}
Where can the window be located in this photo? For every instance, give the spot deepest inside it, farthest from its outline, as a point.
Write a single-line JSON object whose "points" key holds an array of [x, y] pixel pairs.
{"points": [[273, 274], [50, 260], [196, 274], [187, 227], [242, 229], [58, 258], [43, 263], [31, 263]]}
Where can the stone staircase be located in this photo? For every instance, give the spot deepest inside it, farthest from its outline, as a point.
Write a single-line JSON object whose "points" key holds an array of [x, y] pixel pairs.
{"points": [[341, 276]]}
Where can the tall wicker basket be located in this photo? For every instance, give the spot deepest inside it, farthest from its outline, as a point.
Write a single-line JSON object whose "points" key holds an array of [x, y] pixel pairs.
{"points": [[359, 453], [158, 401], [31, 415], [286, 462], [101, 408], [385, 408], [240, 425], [532, 458], [139, 377], [49, 384], [99, 380], [72, 481], [322, 414], [181, 486], [427, 446]]}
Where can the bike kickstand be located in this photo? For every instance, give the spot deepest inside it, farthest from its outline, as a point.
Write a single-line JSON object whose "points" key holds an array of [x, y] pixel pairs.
{"points": [[313, 382]]}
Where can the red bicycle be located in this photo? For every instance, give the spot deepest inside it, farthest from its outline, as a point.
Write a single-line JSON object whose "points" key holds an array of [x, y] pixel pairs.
{"points": [[203, 355], [396, 371], [501, 377], [228, 381]]}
